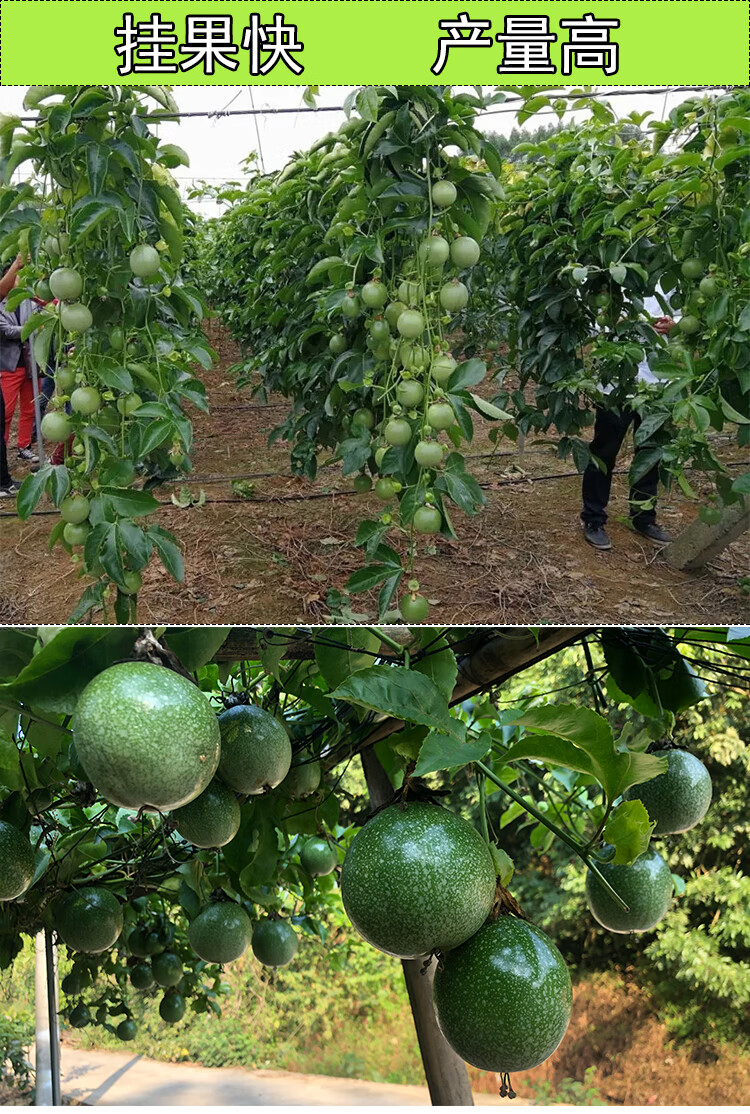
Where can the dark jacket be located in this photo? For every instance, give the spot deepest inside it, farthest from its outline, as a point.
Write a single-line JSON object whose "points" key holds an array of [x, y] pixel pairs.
{"points": [[10, 333]]}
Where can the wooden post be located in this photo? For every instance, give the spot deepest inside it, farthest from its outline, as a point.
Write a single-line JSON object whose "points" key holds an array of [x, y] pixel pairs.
{"points": [[699, 543], [445, 1072]]}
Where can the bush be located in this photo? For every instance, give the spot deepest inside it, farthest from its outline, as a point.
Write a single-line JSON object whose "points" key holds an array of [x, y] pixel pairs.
{"points": [[15, 1041]]}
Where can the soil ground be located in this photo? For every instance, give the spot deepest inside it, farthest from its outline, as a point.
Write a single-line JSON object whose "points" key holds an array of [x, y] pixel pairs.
{"points": [[272, 557]]}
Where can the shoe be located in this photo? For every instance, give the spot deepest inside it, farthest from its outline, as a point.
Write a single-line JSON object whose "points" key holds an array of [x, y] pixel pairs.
{"points": [[654, 533], [596, 536], [10, 491], [27, 455]]}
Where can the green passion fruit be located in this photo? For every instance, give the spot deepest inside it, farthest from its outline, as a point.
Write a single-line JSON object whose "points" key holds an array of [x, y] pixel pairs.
{"points": [[220, 933], [274, 942], [417, 878], [503, 999], [210, 820], [17, 863], [318, 857], [679, 798], [146, 736], [89, 920], [645, 886], [414, 608], [144, 261], [255, 750]]}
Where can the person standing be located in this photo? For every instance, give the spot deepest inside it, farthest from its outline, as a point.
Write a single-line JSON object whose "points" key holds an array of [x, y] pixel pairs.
{"points": [[15, 375], [8, 487], [610, 429]]}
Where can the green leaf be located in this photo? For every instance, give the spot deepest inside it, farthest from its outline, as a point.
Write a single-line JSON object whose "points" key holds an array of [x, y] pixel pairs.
{"points": [[504, 865], [196, 646], [339, 652], [489, 409], [31, 491], [130, 503], [169, 552], [459, 486], [85, 219], [582, 740], [439, 662], [170, 155], [403, 694], [629, 831], [467, 374], [54, 679], [16, 650], [442, 753]]}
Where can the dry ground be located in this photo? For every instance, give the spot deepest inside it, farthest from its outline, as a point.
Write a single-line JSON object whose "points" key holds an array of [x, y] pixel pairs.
{"points": [[271, 558]]}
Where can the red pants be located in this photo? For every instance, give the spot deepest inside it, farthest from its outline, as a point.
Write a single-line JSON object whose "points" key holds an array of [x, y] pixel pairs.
{"points": [[17, 385]]}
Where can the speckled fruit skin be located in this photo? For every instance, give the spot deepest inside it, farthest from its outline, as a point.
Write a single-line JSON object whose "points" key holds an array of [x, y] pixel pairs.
{"points": [[146, 736], [16, 862], [89, 920], [646, 886], [220, 933], [318, 857], [212, 819], [167, 969], [679, 798], [503, 999], [255, 750], [416, 879], [274, 943]]}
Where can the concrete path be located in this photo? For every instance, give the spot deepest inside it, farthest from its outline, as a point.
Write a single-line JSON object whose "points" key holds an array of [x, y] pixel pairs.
{"points": [[120, 1079]]}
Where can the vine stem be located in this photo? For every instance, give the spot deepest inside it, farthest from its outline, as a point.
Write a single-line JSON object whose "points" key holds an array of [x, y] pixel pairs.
{"points": [[573, 844], [394, 645], [24, 713], [482, 779]]}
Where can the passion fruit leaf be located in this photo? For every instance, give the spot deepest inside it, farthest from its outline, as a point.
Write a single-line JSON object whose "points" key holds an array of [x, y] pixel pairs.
{"points": [[628, 830], [442, 753], [196, 646], [403, 694], [439, 662], [58, 674], [582, 740], [344, 651], [16, 650]]}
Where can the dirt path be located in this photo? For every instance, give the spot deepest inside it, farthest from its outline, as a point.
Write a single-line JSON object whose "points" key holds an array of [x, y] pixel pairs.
{"points": [[123, 1079], [272, 558]]}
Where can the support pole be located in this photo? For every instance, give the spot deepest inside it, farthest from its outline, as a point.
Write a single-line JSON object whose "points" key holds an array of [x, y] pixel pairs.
{"points": [[445, 1072], [700, 543], [52, 1007], [43, 1095], [37, 402]]}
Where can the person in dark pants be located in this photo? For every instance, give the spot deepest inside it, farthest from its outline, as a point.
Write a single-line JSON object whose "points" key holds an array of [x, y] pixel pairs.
{"points": [[610, 428]]}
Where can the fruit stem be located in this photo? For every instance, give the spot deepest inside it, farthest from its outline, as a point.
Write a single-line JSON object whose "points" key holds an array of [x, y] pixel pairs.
{"points": [[483, 806], [394, 645], [573, 844]]}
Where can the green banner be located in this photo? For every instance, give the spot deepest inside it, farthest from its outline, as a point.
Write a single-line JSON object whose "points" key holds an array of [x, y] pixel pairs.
{"points": [[354, 42]]}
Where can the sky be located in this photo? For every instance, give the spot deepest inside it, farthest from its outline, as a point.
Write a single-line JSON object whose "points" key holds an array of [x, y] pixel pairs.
{"points": [[218, 146]]}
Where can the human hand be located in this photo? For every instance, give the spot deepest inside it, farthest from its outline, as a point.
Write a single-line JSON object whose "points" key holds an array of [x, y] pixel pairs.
{"points": [[664, 325]]}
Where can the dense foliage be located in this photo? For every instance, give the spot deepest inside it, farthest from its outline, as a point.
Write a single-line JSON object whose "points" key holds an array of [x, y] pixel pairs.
{"points": [[586, 223], [561, 766], [99, 223], [599, 217], [343, 278]]}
